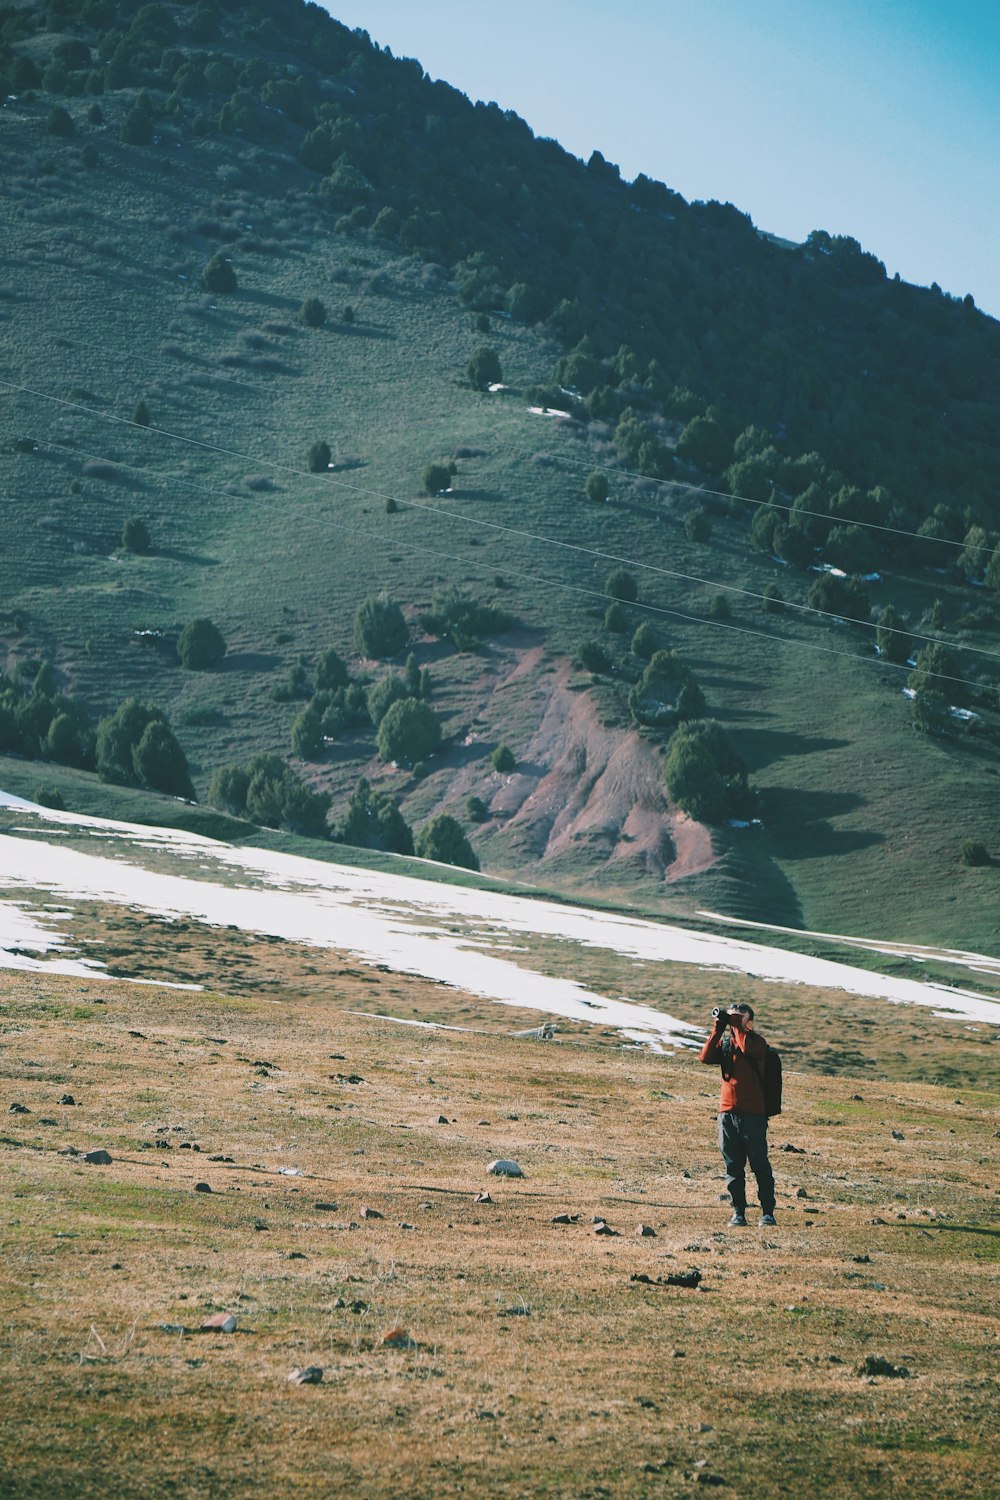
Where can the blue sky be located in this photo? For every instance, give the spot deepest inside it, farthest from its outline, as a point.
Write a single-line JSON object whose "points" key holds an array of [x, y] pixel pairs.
{"points": [[879, 119]]}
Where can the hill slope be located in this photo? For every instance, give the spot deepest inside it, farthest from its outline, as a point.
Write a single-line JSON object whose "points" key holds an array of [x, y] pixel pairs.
{"points": [[704, 359]]}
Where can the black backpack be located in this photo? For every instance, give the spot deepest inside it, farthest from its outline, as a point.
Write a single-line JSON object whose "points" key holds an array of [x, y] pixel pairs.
{"points": [[770, 1079], [769, 1075]]}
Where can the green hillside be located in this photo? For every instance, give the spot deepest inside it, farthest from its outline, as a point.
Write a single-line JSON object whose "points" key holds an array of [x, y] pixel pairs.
{"points": [[757, 411]]}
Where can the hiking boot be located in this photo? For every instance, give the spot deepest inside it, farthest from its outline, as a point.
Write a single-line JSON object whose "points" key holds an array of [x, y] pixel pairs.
{"points": [[768, 1219], [738, 1221]]}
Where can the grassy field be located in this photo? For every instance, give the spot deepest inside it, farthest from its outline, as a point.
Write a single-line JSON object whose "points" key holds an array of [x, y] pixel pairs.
{"points": [[346, 1157], [864, 819]]}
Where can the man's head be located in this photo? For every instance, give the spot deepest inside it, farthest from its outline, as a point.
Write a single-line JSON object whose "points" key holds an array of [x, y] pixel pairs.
{"points": [[742, 1016]]}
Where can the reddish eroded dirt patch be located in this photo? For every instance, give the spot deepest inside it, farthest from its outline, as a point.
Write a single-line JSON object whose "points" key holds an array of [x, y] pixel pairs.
{"points": [[581, 784]]}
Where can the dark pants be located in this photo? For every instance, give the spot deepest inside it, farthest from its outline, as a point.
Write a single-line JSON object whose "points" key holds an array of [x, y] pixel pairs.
{"points": [[743, 1139]]}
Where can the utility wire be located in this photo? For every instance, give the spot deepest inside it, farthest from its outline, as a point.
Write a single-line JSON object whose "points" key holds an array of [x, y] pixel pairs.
{"points": [[654, 609], [479, 522], [773, 504]]}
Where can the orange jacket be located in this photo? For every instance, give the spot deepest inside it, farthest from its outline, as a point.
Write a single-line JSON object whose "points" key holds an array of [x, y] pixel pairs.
{"points": [[741, 1089]]}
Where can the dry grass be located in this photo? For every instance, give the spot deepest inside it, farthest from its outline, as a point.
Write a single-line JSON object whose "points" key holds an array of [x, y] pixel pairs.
{"points": [[538, 1366]]}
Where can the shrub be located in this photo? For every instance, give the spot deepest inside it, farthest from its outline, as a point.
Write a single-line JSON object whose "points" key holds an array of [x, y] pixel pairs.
{"points": [[95, 114], [201, 645], [137, 130], [307, 733], [937, 671], [374, 821], [666, 693], [459, 618], [704, 775], [595, 487], [135, 535], [219, 275], [483, 368], [380, 697], [135, 745], [279, 798], [592, 657], [436, 477], [476, 810], [160, 762], [774, 604], [891, 637], [704, 444], [621, 585], [645, 642], [141, 414], [697, 526], [719, 608], [228, 789], [47, 795], [974, 852], [503, 758], [930, 714], [409, 732], [845, 597], [347, 314], [379, 627], [615, 619], [318, 457], [331, 671], [443, 840], [312, 313], [60, 122]]}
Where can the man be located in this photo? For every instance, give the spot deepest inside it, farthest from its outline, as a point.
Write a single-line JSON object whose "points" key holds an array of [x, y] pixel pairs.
{"points": [[742, 1108]]}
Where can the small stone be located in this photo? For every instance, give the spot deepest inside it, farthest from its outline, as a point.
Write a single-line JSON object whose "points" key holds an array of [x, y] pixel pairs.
{"points": [[646, 1232], [371, 1213], [308, 1375], [66, 1099], [874, 1364], [398, 1338], [219, 1323], [325, 1208], [69, 1151], [140, 1034], [440, 1120], [296, 1255], [601, 1227], [898, 1135], [566, 1219], [172, 1328], [801, 1193], [202, 1187], [19, 1109], [797, 1150], [503, 1167], [357, 1306], [685, 1278], [483, 1197], [407, 1226], [97, 1158]]}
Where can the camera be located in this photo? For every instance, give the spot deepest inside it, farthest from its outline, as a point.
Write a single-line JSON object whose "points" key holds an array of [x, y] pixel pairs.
{"points": [[720, 1014]]}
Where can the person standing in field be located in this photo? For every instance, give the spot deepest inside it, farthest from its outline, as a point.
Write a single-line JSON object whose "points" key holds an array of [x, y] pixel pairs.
{"points": [[741, 1053]]}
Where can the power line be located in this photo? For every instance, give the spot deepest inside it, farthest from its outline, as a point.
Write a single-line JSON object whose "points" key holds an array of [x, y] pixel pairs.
{"points": [[654, 609], [773, 504], [478, 522]]}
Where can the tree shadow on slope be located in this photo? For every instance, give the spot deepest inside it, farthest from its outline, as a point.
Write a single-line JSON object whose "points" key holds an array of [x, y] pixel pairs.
{"points": [[763, 747], [798, 823]]}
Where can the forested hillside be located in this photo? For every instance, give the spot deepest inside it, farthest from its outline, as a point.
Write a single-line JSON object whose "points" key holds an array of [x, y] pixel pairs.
{"points": [[379, 470]]}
